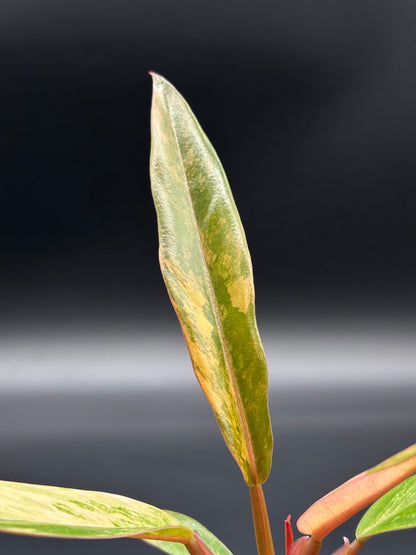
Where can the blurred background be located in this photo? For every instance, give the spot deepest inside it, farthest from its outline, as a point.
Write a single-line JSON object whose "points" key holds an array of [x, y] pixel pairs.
{"points": [[311, 110]]}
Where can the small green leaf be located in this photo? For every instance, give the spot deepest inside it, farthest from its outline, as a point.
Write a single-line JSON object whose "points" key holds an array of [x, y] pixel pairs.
{"points": [[207, 269], [69, 513], [396, 510], [214, 544]]}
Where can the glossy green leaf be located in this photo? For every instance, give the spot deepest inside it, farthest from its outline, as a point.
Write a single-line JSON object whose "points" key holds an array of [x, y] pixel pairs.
{"points": [[207, 269], [396, 510], [214, 544], [352, 496], [69, 513]]}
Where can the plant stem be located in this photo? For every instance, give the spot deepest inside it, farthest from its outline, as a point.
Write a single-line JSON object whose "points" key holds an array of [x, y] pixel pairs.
{"points": [[355, 547], [261, 522], [197, 547], [312, 547]]}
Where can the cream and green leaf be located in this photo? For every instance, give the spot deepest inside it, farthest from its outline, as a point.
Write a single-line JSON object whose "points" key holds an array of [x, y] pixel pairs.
{"points": [[207, 270], [396, 510], [38, 510]]}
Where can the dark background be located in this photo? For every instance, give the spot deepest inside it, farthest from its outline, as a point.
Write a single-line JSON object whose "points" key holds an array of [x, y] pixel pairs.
{"points": [[311, 109]]}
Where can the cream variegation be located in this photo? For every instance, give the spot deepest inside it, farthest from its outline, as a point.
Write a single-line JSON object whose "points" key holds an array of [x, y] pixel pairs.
{"points": [[38, 510]]}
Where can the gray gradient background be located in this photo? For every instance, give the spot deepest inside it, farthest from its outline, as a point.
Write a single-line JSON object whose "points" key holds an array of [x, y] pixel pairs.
{"points": [[311, 109]]}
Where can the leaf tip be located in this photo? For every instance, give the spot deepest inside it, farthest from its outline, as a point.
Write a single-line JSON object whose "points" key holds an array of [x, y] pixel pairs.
{"points": [[159, 80], [155, 76]]}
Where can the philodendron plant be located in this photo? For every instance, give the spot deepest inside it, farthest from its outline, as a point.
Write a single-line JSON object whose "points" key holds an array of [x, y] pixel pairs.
{"points": [[207, 269]]}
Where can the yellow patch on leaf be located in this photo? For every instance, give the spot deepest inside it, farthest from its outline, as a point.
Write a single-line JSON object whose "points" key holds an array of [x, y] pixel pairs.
{"points": [[240, 294]]}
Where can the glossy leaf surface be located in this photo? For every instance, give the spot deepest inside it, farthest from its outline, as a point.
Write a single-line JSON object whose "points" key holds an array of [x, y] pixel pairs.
{"points": [[69, 513], [207, 269], [343, 502], [214, 544], [396, 510]]}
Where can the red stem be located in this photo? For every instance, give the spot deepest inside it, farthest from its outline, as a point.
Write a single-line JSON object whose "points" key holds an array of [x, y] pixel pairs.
{"points": [[197, 547], [312, 547], [261, 522], [355, 547]]}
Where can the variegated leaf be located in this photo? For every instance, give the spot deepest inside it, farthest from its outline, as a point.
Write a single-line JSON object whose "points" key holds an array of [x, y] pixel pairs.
{"points": [[207, 269], [38, 510]]}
